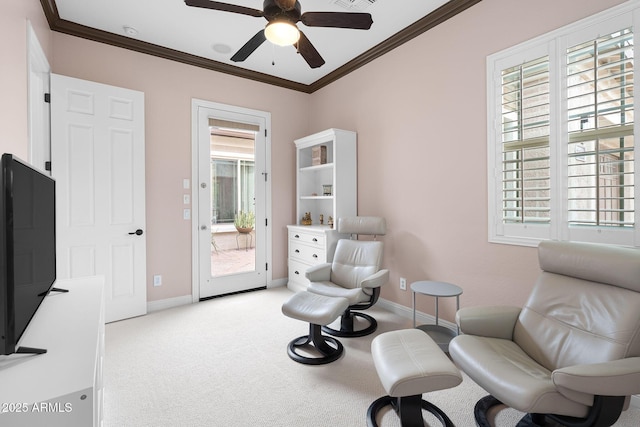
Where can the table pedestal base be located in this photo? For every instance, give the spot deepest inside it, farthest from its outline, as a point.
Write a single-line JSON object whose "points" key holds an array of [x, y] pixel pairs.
{"points": [[440, 334]]}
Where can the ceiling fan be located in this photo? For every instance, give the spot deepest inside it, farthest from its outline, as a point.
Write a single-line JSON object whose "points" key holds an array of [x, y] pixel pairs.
{"points": [[282, 16]]}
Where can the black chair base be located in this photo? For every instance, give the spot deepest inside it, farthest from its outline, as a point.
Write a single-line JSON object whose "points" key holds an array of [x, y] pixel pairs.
{"points": [[409, 409], [330, 348], [604, 413], [347, 326]]}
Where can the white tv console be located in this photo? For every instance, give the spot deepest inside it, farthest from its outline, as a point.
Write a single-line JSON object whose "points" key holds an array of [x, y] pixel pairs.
{"points": [[62, 387]]}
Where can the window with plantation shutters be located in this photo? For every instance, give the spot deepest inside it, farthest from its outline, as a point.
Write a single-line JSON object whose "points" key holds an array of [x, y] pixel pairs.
{"points": [[525, 142], [561, 134], [600, 117]]}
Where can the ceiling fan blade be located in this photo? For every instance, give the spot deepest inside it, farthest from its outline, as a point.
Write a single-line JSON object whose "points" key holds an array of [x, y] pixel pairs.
{"points": [[357, 21], [308, 52], [249, 47], [225, 7]]}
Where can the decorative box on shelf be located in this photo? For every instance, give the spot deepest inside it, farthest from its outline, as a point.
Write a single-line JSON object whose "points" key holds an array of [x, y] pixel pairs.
{"points": [[319, 155]]}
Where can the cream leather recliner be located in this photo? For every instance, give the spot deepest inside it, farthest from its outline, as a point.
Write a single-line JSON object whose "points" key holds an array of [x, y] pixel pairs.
{"points": [[572, 353], [355, 273]]}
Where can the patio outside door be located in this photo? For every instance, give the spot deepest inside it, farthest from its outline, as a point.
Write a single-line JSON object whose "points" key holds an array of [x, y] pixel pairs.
{"points": [[231, 194]]}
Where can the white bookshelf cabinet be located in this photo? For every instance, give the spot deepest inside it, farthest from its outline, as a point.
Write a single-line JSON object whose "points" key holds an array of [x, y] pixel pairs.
{"points": [[340, 172], [315, 243]]}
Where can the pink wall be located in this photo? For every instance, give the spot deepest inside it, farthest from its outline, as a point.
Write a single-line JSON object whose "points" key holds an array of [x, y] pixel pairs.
{"points": [[169, 88], [13, 70], [420, 114]]}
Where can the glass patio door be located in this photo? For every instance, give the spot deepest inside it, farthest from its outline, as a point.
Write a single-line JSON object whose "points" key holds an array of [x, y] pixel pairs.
{"points": [[232, 210], [232, 200]]}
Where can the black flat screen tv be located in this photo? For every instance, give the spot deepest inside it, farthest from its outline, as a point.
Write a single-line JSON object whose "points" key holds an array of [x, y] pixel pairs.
{"points": [[28, 248]]}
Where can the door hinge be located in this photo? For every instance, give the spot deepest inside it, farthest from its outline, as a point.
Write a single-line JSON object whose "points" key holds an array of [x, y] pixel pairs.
{"points": [[266, 222], [266, 266], [266, 175], [47, 98], [47, 166], [265, 133]]}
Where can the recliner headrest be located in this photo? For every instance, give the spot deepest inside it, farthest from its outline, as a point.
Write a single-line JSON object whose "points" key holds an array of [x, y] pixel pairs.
{"points": [[613, 265], [369, 225]]}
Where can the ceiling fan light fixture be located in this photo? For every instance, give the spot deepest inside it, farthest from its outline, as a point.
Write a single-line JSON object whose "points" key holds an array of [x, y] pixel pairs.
{"points": [[282, 33]]}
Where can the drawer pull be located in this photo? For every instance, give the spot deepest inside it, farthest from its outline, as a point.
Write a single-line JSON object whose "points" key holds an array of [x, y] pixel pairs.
{"points": [[315, 256], [297, 251], [297, 236], [315, 240], [296, 272]]}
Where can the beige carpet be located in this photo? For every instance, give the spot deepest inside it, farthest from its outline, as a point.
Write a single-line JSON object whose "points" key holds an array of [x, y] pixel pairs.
{"points": [[224, 363]]}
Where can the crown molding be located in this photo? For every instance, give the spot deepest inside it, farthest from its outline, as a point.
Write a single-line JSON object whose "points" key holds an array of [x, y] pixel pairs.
{"points": [[438, 16]]}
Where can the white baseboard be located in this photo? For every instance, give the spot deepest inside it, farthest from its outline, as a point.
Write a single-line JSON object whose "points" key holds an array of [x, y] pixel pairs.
{"points": [[277, 283], [407, 313], [635, 401], [163, 304]]}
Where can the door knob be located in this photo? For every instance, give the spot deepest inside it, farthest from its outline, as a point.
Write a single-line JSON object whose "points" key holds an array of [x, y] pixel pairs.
{"points": [[138, 232]]}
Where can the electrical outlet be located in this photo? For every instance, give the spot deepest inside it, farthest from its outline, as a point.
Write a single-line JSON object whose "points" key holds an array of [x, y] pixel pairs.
{"points": [[403, 283], [157, 280]]}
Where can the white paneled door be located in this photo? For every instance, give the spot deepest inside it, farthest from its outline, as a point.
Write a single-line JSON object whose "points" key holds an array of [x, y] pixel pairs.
{"points": [[97, 156]]}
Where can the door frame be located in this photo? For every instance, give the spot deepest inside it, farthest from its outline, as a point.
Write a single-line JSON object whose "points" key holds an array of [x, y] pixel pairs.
{"points": [[39, 109], [196, 105]]}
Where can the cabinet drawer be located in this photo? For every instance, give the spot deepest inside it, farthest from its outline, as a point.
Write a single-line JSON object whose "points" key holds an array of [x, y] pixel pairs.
{"points": [[308, 238], [306, 253], [296, 272]]}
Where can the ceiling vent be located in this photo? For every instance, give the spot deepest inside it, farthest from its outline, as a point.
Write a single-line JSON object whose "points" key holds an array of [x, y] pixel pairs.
{"points": [[359, 5]]}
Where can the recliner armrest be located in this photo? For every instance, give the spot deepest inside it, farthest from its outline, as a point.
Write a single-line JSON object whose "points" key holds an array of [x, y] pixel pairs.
{"points": [[615, 378], [495, 322], [376, 280], [319, 273]]}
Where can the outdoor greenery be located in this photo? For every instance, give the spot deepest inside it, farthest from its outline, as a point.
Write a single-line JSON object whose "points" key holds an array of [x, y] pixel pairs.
{"points": [[244, 219]]}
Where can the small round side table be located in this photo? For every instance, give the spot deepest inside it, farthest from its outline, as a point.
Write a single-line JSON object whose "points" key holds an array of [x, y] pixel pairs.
{"points": [[440, 334]]}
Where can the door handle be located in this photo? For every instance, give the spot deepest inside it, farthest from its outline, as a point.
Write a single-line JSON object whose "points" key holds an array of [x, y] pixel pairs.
{"points": [[138, 232]]}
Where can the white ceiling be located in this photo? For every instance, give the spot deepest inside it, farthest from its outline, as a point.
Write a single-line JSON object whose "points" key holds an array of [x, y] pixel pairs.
{"points": [[204, 32]]}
